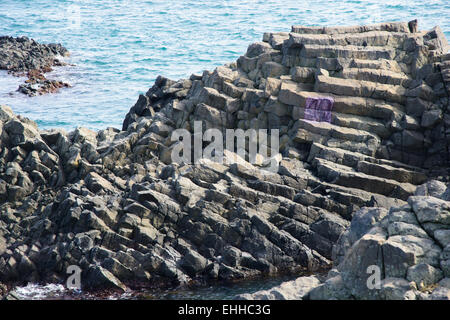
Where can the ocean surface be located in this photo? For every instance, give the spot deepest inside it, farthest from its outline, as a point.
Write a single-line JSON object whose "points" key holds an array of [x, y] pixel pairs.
{"points": [[119, 47]]}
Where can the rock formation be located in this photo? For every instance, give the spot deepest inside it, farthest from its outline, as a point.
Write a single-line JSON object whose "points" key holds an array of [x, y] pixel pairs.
{"points": [[113, 203], [25, 57], [409, 245]]}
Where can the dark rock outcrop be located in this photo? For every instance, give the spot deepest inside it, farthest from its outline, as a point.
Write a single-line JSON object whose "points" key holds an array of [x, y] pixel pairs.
{"points": [[113, 203], [25, 57]]}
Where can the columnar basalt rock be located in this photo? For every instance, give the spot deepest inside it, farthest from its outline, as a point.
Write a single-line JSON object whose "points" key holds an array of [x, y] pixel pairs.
{"points": [[408, 245], [114, 203]]}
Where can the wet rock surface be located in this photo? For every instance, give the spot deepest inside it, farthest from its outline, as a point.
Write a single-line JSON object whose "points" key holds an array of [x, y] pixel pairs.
{"points": [[115, 204], [23, 56]]}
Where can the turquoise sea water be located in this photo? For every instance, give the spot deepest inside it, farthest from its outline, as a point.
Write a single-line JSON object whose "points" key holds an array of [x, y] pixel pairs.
{"points": [[120, 46]]}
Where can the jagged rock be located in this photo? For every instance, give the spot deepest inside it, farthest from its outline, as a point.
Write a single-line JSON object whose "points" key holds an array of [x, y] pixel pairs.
{"points": [[432, 188], [332, 289], [24, 56], [115, 203], [424, 275], [431, 209], [292, 290], [96, 183], [99, 278], [443, 291], [443, 237], [409, 267], [193, 263], [396, 289], [363, 220]]}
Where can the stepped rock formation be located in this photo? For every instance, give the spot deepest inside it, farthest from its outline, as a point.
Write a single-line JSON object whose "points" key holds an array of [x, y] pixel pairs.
{"points": [[113, 203]]}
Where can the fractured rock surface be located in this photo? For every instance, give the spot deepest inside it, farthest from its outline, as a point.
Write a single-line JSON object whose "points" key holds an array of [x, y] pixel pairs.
{"points": [[113, 203], [408, 244]]}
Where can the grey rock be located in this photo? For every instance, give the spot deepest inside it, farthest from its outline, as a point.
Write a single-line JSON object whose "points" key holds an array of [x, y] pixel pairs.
{"points": [[442, 292], [430, 209], [396, 289], [332, 289], [363, 220], [193, 263], [115, 203], [430, 118], [443, 237], [424, 275], [100, 278], [431, 188], [97, 183], [291, 290]]}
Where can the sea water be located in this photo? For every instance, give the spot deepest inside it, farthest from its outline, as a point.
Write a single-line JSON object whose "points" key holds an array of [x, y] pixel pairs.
{"points": [[222, 291]]}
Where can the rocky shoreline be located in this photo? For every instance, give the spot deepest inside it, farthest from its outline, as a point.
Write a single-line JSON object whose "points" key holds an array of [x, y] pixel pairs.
{"points": [[25, 57], [409, 244], [114, 204]]}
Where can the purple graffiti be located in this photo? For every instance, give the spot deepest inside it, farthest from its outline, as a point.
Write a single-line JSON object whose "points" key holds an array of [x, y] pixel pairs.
{"points": [[319, 109]]}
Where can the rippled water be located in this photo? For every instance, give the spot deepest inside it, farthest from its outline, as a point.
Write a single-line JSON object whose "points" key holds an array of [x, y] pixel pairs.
{"points": [[215, 292], [120, 46]]}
